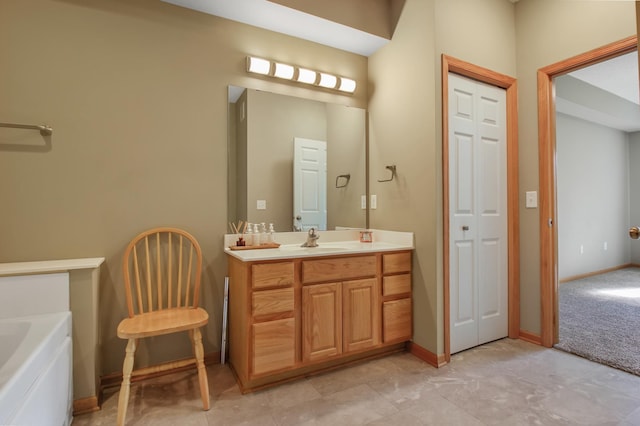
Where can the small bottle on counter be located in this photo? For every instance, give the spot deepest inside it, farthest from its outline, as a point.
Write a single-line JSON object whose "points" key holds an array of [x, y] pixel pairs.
{"points": [[248, 236], [264, 238], [270, 236], [256, 235]]}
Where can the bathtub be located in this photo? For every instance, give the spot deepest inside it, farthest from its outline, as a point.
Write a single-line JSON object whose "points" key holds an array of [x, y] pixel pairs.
{"points": [[36, 370]]}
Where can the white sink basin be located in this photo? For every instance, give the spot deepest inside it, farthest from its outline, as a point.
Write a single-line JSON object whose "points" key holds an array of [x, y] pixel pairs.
{"points": [[321, 248]]}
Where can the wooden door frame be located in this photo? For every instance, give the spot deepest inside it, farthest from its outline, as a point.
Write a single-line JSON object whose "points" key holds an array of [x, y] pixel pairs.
{"points": [[450, 64], [547, 176]]}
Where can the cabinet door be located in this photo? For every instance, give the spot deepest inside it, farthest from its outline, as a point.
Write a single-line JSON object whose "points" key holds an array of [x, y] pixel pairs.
{"points": [[274, 345], [396, 320], [321, 321], [361, 314]]}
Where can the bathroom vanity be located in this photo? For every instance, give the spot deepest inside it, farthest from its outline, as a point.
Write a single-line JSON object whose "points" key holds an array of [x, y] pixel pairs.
{"points": [[295, 311]]}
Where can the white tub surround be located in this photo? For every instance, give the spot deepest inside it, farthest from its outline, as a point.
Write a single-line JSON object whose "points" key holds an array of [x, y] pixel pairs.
{"points": [[330, 243], [78, 290], [35, 370]]}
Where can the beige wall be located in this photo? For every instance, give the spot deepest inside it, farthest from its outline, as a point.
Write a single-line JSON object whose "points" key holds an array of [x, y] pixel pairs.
{"points": [[548, 32], [273, 123], [346, 154], [405, 106], [136, 92], [265, 169]]}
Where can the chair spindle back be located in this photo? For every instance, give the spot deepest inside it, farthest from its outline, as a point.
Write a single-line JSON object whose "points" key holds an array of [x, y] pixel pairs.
{"points": [[162, 270]]}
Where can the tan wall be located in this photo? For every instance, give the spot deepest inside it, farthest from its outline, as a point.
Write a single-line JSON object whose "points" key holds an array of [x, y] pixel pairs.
{"points": [[136, 92], [402, 131], [273, 123], [346, 128], [548, 32], [406, 129], [405, 107]]}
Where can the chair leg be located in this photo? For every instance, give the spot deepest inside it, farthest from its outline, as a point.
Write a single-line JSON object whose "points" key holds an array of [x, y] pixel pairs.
{"points": [[196, 338], [127, 368]]}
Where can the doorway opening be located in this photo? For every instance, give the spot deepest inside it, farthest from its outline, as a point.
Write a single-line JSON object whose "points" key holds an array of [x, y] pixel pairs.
{"points": [[548, 177], [465, 69]]}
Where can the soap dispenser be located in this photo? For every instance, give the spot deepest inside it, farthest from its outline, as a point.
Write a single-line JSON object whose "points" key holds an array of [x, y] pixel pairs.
{"points": [[270, 236], [256, 235], [248, 236], [264, 238]]}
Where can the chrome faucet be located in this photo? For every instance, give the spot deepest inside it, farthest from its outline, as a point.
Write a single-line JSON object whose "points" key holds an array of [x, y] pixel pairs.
{"points": [[312, 239]]}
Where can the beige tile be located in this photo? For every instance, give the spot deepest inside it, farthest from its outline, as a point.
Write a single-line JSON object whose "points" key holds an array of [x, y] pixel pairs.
{"points": [[492, 397], [354, 406], [509, 382], [436, 410], [355, 375], [580, 408], [291, 394]]}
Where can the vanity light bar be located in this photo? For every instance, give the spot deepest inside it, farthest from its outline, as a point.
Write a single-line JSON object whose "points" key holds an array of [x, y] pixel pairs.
{"points": [[301, 75]]}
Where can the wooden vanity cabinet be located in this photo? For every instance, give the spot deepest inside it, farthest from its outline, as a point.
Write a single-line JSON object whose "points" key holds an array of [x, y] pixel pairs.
{"points": [[293, 317], [262, 323], [321, 321], [396, 297], [361, 314]]}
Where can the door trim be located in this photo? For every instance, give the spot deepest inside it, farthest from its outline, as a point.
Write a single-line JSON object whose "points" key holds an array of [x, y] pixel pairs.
{"points": [[547, 176], [457, 66]]}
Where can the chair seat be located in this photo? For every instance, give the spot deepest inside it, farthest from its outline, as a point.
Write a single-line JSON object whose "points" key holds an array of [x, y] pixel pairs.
{"points": [[162, 322]]}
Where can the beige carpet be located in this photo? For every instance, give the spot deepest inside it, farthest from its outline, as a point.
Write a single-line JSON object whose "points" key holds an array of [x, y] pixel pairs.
{"points": [[600, 318]]}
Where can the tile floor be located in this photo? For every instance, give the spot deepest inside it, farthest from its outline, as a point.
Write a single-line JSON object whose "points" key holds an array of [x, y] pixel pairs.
{"points": [[508, 382]]}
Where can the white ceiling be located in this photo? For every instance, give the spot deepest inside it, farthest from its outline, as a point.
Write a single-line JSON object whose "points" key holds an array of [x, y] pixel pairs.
{"points": [[607, 93], [282, 19], [618, 76]]}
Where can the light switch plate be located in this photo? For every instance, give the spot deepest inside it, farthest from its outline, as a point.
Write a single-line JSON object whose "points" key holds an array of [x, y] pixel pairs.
{"points": [[363, 202], [374, 201], [261, 205], [531, 199]]}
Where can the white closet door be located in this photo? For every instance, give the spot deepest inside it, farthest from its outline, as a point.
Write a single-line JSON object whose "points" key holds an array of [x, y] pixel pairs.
{"points": [[478, 282]]}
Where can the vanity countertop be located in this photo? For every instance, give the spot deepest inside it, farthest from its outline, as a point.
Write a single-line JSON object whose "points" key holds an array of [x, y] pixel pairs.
{"points": [[331, 243]]}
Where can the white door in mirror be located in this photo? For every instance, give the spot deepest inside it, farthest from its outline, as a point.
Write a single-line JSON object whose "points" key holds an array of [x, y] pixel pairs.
{"points": [[310, 183]]}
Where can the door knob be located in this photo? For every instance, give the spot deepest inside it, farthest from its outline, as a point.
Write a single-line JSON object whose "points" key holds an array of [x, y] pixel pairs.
{"points": [[634, 232]]}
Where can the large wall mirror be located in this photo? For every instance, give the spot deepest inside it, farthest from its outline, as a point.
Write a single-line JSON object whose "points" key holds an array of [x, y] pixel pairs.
{"points": [[272, 181]]}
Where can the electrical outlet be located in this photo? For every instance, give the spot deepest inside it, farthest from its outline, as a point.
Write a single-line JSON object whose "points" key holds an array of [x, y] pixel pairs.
{"points": [[374, 201], [581, 249], [261, 205], [606, 246]]}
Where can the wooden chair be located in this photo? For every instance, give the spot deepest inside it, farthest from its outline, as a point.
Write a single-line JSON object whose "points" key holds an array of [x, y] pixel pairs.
{"points": [[162, 269]]}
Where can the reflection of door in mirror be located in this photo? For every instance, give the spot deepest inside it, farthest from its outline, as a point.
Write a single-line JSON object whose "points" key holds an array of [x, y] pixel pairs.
{"points": [[309, 184], [262, 127]]}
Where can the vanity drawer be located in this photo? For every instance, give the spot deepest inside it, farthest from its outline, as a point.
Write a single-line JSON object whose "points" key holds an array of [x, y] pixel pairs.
{"points": [[396, 320], [396, 284], [266, 275], [338, 269], [276, 301], [396, 262], [274, 345]]}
